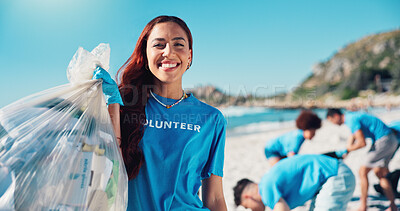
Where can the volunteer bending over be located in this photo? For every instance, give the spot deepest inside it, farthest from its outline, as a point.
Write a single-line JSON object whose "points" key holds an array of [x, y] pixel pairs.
{"points": [[289, 144], [383, 147], [293, 181]]}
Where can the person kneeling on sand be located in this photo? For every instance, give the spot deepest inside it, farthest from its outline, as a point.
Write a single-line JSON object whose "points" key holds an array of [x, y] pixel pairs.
{"points": [[289, 143], [293, 181], [384, 145]]}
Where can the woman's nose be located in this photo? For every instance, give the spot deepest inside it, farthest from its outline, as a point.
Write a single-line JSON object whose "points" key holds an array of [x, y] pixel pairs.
{"points": [[167, 50]]}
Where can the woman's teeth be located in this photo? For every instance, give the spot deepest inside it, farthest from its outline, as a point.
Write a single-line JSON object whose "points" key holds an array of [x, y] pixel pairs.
{"points": [[168, 65]]}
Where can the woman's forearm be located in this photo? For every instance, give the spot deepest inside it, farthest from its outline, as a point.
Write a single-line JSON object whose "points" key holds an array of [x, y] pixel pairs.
{"points": [[216, 204], [213, 196], [113, 109]]}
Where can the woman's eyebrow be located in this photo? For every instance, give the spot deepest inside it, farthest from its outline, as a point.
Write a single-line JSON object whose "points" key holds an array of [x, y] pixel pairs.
{"points": [[179, 38], [162, 39], [158, 39]]}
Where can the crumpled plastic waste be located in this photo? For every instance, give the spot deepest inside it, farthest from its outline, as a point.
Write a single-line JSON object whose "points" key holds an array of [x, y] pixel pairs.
{"points": [[58, 150]]}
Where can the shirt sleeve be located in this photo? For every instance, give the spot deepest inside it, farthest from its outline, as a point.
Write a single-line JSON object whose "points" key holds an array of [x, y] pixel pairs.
{"points": [[215, 162], [354, 124], [297, 143], [270, 193], [270, 148]]}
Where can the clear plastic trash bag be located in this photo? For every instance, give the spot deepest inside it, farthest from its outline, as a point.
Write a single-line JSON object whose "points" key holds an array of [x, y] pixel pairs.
{"points": [[58, 150]]}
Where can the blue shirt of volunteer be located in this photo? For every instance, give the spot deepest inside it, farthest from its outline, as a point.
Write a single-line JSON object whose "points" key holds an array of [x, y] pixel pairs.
{"points": [[371, 126], [282, 145], [182, 145], [296, 179]]}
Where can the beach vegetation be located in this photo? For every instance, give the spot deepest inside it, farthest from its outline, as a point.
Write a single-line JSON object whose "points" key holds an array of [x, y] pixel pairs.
{"points": [[370, 65], [348, 93]]}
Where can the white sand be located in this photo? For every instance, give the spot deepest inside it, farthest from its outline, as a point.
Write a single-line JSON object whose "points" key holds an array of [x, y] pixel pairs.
{"points": [[244, 158]]}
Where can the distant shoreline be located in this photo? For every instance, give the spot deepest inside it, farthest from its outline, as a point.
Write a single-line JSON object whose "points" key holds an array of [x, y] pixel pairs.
{"points": [[212, 96]]}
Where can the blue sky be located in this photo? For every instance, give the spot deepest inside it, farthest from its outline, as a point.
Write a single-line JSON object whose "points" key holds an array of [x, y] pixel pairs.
{"points": [[243, 47]]}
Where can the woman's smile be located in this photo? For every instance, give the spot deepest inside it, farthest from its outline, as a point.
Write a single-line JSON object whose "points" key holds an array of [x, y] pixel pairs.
{"points": [[168, 66]]}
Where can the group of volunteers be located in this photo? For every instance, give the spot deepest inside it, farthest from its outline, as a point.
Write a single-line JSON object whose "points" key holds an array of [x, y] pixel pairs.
{"points": [[173, 144], [324, 179]]}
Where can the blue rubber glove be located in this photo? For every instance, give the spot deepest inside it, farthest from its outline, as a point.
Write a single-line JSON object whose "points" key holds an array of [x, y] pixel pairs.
{"points": [[110, 88], [341, 153]]}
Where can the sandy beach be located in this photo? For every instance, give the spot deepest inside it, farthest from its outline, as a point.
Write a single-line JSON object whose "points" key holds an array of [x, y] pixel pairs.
{"points": [[244, 158]]}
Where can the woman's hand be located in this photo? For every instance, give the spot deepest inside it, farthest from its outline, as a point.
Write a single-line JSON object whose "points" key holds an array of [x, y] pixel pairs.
{"points": [[113, 99], [110, 87]]}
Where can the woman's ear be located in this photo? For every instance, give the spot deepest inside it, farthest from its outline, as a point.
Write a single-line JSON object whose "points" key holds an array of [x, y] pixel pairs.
{"points": [[189, 62], [190, 56]]}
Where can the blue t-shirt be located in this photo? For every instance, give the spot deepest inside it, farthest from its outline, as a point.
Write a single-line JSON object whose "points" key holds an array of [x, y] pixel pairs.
{"points": [[182, 145], [371, 126], [296, 179], [281, 146]]}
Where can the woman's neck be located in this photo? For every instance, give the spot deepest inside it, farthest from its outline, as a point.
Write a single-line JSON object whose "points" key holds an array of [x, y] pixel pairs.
{"points": [[172, 91]]}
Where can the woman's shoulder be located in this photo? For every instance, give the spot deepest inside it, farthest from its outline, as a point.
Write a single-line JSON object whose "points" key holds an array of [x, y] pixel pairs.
{"points": [[205, 108]]}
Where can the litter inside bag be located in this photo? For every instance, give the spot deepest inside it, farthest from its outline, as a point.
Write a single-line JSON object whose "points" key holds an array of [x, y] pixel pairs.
{"points": [[58, 150]]}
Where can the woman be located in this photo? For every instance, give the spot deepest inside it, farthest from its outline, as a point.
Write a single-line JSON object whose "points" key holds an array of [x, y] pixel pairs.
{"points": [[171, 142], [289, 143]]}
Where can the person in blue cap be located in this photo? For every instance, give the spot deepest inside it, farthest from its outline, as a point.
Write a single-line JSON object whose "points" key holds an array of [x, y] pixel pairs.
{"points": [[289, 143], [384, 145], [327, 181]]}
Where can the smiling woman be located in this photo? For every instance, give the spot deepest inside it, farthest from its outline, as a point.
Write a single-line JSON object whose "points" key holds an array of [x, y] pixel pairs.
{"points": [[171, 142], [168, 56]]}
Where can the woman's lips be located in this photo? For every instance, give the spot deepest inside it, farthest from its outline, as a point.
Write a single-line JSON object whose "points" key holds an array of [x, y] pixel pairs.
{"points": [[168, 66]]}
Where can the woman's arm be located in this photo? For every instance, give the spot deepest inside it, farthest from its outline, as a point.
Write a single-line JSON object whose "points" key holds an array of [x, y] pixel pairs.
{"points": [[113, 109], [281, 205], [212, 193]]}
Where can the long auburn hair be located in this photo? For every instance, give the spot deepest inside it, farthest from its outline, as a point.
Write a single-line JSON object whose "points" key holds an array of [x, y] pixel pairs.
{"points": [[135, 81]]}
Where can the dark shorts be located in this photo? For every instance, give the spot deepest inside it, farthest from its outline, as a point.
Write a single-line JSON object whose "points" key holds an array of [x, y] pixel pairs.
{"points": [[381, 152]]}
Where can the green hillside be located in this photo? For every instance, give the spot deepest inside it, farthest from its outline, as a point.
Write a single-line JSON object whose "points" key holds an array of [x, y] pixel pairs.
{"points": [[370, 65]]}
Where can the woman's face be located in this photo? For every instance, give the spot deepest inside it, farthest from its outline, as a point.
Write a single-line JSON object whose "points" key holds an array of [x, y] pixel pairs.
{"points": [[168, 52]]}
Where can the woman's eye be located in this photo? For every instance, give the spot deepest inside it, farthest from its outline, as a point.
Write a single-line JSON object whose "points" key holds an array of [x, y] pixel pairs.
{"points": [[159, 45], [179, 44]]}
